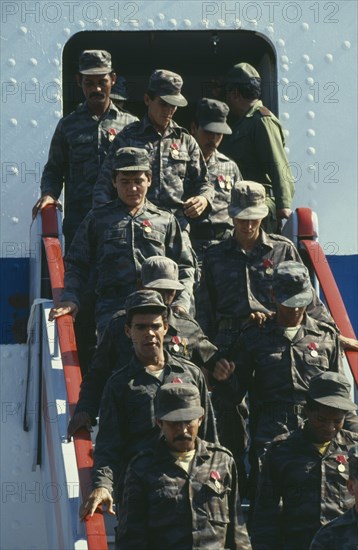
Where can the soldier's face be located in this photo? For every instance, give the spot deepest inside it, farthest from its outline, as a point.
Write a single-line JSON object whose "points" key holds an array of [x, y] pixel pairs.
{"points": [[160, 112], [132, 187], [180, 436], [167, 295], [207, 141], [324, 423], [289, 316], [246, 230], [147, 332], [96, 88]]}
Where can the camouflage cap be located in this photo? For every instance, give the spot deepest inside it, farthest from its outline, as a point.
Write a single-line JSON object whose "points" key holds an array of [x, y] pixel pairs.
{"points": [[211, 115], [292, 284], [143, 299], [332, 390], [242, 73], [95, 62], [131, 159], [178, 402], [160, 272], [353, 462], [248, 201], [167, 85], [119, 90]]}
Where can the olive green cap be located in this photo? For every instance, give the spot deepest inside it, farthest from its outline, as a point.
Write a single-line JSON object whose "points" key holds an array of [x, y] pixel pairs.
{"points": [[242, 73], [167, 85], [211, 115], [131, 159]]}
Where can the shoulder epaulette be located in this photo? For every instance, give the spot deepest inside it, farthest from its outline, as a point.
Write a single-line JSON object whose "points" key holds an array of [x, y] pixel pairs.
{"points": [[265, 111], [275, 237], [217, 447]]}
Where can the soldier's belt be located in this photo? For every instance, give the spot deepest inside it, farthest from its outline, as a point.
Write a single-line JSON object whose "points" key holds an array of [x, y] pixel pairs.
{"points": [[269, 191], [296, 408], [210, 232]]}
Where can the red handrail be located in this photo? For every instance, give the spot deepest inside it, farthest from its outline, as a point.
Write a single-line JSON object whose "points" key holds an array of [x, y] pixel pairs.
{"points": [[95, 528]]}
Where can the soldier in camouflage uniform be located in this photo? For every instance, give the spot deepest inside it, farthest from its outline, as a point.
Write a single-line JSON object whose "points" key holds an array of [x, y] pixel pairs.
{"points": [[342, 532], [275, 363], [208, 129], [81, 142], [257, 143], [117, 237], [180, 181], [236, 281], [127, 420], [304, 474], [183, 492], [184, 339]]}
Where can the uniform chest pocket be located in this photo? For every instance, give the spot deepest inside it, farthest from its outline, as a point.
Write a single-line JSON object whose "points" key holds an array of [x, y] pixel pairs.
{"points": [[215, 502], [177, 162], [318, 361], [81, 148], [118, 233], [150, 234], [140, 411], [163, 504]]}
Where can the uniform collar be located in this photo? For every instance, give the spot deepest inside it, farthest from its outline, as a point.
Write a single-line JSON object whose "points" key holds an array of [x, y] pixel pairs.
{"points": [[250, 113], [172, 127]]}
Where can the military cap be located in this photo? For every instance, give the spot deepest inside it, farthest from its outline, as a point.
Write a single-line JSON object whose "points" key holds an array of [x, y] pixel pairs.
{"points": [[242, 73], [248, 201], [143, 299], [95, 62], [211, 115], [119, 90], [332, 390], [160, 272], [131, 159], [167, 85], [353, 462], [178, 402], [292, 284]]}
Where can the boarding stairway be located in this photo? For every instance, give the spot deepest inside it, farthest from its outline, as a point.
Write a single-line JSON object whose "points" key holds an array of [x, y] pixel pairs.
{"points": [[54, 377]]}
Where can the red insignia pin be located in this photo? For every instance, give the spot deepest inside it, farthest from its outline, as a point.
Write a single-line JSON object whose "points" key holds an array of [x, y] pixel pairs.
{"points": [[177, 380], [221, 177], [312, 345], [174, 146], [176, 339], [267, 264], [214, 474], [147, 223], [112, 131]]}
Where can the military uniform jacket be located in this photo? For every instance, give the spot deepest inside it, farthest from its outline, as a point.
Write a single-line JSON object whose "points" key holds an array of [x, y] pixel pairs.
{"points": [[178, 167], [257, 146], [117, 243], [127, 418], [223, 173], [235, 283], [184, 339], [310, 486], [78, 148], [276, 372], [165, 507], [339, 534]]}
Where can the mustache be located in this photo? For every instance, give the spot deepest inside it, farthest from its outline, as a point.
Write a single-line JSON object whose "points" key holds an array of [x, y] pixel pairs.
{"points": [[96, 94], [182, 438]]}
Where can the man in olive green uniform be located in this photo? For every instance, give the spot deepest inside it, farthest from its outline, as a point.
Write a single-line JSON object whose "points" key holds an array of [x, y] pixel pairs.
{"points": [[257, 143]]}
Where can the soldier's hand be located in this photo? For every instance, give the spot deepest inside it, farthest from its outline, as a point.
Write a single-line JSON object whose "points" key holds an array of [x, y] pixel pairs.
{"points": [[260, 318], [283, 213], [79, 420], [223, 369], [178, 309], [195, 206], [96, 498], [348, 343], [64, 308], [44, 201]]}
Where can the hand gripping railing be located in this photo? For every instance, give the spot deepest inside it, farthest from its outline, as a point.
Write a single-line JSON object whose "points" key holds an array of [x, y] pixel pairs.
{"points": [[327, 282], [95, 528]]}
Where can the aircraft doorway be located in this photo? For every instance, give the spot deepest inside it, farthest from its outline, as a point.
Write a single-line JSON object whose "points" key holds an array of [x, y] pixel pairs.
{"points": [[202, 58]]}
